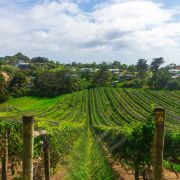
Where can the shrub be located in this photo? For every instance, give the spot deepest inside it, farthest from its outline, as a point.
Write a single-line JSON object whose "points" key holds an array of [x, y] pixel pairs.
{"points": [[174, 84]]}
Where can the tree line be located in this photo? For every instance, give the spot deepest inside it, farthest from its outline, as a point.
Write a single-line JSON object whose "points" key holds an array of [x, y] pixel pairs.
{"points": [[49, 79]]}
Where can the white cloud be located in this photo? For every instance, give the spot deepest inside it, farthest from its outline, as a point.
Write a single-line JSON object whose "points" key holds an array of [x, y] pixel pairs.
{"points": [[115, 29]]}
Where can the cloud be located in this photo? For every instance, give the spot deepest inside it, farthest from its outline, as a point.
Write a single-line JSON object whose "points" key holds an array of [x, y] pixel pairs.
{"points": [[112, 29]]}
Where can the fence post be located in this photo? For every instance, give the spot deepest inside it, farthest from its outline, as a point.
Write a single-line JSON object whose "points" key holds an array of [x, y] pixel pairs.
{"points": [[158, 143], [46, 158], [5, 157], [28, 144]]}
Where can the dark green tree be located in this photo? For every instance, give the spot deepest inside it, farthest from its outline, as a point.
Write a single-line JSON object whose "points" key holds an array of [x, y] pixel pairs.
{"points": [[13, 59], [142, 68], [102, 77], [132, 69], [116, 65], [40, 59], [51, 84], [160, 79], [156, 63], [18, 85]]}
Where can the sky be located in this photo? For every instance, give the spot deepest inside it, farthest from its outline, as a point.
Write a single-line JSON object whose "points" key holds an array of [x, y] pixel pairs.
{"points": [[91, 30]]}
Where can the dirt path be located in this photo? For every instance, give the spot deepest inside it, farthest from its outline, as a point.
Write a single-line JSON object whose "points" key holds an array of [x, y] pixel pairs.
{"points": [[61, 173], [170, 175], [120, 171], [125, 173]]}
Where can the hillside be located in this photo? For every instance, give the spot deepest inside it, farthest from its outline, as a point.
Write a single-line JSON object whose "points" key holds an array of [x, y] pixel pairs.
{"points": [[74, 121]]}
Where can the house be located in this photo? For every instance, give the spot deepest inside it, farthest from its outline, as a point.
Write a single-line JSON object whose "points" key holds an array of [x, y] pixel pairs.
{"points": [[87, 70], [22, 65], [73, 69], [175, 72], [178, 67], [114, 71], [176, 76], [125, 77]]}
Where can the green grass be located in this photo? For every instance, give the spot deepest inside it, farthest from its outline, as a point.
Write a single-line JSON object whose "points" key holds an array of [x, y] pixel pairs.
{"points": [[30, 103], [87, 161], [175, 166]]}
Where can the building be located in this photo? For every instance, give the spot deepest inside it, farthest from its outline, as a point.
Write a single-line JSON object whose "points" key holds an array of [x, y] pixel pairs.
{"points": [[125, 77], [87, 70], [22, 65], [175, 72], [116, 71], [176, 76], [178, 67]]}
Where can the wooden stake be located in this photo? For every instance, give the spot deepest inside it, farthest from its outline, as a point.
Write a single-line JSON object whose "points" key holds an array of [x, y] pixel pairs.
{"points": [[28, 144], [158, 144], [5, 157], [46, 158]]}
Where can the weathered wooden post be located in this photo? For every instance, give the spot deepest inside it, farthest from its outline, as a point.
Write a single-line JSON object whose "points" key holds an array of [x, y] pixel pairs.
{"points": [[5, 157], [46, 158], [28, 144], [158, 143]]}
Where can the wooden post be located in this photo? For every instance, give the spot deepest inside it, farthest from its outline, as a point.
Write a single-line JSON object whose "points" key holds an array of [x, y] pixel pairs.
{"points": [[158, 144], [46, 158], [5, 157], [28, 144]]}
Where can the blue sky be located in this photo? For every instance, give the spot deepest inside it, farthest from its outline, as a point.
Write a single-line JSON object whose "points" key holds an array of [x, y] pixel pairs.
{"points": [[91, 30]]}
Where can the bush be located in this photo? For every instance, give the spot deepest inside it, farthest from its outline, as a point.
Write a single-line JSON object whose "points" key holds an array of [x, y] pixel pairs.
{"points": [[3, 96], [136, 83], [174, 84]]}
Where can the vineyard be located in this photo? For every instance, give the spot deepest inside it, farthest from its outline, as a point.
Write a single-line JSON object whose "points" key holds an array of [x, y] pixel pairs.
{"points": [[81, 124]]}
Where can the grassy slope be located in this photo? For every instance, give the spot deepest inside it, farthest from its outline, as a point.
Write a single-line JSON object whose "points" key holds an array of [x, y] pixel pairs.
{"points": [[29, 103]]}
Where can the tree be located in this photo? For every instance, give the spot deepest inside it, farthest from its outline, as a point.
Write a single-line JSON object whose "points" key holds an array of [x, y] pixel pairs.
{"points": [[123, 67], [40, 59], [160, 79], [3, 91], [132, 69], [156, 63], [142, 68], [51, 84], [104, 66], [2, 61], [102, 77], [19, 56], [116, 65], [18, 85]]}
